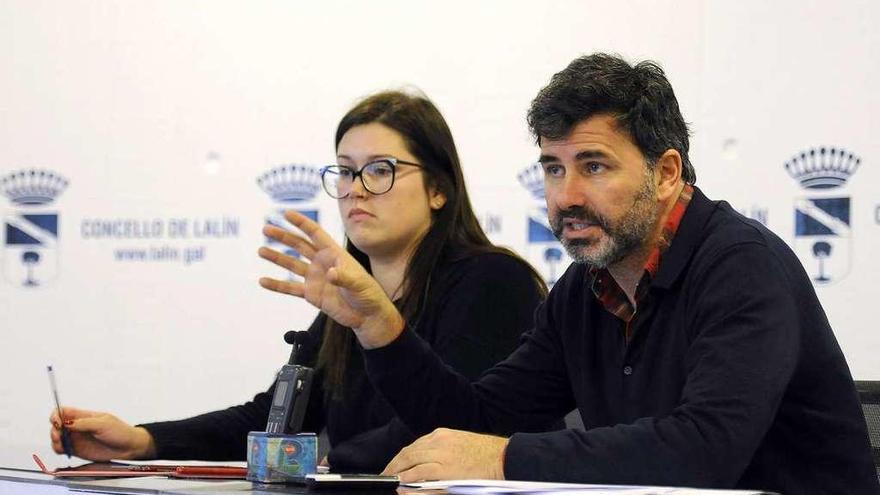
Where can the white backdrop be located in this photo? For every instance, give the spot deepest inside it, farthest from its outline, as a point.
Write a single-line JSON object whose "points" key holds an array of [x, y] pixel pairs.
{"points": [[161, 117]]}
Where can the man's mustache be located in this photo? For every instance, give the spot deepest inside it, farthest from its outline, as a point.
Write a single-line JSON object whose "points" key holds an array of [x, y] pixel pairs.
{"points": [[579, 214]]}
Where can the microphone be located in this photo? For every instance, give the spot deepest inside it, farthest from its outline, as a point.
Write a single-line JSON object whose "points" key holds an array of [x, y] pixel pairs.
{"points": [[294, 336], [297, 340]]}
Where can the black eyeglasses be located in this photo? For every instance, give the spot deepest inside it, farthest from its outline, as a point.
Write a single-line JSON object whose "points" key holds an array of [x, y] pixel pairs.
{"points": [[377, 177]]}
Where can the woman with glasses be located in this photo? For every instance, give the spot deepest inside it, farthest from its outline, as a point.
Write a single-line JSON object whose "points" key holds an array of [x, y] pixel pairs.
{"points": [[409, 222]]}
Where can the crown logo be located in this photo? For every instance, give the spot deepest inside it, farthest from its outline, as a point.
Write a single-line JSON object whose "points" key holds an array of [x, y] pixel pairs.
{"points": [[291, 183], [823, 168], [532, 178], [32, 186]]}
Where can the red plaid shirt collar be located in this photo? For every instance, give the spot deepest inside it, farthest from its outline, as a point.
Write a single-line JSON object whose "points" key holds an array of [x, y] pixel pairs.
{"points": [[606, 289]]}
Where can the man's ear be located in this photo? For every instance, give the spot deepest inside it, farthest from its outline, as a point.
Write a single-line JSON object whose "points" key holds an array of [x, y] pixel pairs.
{"points": [[667, 174]]}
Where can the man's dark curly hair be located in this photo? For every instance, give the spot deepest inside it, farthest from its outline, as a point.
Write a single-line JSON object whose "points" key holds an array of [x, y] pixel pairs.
{"points": [[639, 97]]}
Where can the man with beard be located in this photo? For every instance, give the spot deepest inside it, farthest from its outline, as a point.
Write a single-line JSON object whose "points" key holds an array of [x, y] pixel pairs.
{"points": [[689, 337]]}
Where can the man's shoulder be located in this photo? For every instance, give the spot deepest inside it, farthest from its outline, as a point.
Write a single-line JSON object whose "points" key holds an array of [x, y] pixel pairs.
{"points": [[728, 232], [726, 228], [714, 225]]}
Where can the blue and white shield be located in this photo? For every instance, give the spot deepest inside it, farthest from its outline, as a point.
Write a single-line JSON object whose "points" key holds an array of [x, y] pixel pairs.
{"points": [[543, 250], [277, 219], [822, 237], [30, 257]]}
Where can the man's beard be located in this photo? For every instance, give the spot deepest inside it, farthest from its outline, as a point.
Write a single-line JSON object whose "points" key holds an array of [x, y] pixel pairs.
{"points": [[620, 238]]}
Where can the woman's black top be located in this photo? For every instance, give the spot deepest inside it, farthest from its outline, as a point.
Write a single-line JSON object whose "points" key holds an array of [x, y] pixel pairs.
{"points": [[474, 312]]}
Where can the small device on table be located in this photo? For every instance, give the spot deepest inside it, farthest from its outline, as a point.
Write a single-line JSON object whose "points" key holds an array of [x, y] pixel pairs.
{"points": [[292, 389], [283, 453]]}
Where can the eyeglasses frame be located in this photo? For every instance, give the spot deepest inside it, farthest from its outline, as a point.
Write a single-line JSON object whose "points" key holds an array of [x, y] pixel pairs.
{"points": [[360, 174]]}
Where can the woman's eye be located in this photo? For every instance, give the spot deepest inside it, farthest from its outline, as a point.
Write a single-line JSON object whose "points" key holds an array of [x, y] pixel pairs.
{"points": [[379, 171], [346, 173]]}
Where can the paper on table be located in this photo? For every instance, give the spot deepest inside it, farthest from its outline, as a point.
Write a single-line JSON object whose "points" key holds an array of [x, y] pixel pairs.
{"points": [[510, 485], [600, 490], [486, 487]]}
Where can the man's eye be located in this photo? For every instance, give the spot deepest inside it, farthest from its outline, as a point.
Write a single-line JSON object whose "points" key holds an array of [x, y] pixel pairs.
{"points": [[595, 167], [554, 171]]}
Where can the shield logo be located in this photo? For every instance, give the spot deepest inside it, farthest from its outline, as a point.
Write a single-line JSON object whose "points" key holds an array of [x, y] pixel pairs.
{"points": [[823, 237], [290, 184], [543, 248], [30, 257]]}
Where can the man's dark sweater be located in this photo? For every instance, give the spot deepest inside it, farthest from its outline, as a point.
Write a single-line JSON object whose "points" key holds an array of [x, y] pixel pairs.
{"points": [[465, 321], [733, 377]]}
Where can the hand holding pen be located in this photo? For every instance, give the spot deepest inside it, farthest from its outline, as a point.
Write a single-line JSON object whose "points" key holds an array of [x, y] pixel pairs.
{"points": [[99, 436]]}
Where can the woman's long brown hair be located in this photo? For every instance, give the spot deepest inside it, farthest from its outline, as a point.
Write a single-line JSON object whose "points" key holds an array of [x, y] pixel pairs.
{"points": [[454, 232]]}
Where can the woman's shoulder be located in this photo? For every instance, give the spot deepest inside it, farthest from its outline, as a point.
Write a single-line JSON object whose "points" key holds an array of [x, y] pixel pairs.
{"points": [[495, 266]]}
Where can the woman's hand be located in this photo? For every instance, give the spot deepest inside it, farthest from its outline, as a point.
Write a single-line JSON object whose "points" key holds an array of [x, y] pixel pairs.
{"points": [[99, 436], [333, 281]]}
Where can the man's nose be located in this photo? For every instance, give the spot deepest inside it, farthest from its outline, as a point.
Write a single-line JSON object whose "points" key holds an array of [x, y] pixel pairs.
{"points": [[568, 192]]}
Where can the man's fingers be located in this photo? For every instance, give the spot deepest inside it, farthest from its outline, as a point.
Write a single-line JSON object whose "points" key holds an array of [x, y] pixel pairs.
{"points": [[399, 463], [284, 261], [303, 246], [419, 452], [310, 228], [422, 472], [285, 287], [416, 462]]}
